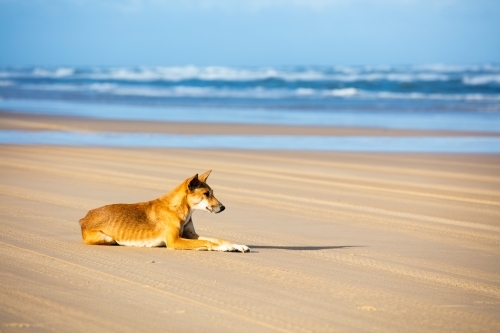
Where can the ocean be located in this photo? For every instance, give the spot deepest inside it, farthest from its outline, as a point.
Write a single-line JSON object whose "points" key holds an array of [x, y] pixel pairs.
{"points": [[399, 88], [435, 97]]}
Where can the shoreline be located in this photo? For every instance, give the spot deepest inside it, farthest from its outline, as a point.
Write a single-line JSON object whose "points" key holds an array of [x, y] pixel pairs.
{"points": [[10, 120]]}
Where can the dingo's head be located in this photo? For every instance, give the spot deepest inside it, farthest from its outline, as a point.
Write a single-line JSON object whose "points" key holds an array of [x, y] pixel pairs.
{"points": [[200, 195]]}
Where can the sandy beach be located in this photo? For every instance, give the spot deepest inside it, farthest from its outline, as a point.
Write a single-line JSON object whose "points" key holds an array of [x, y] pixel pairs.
{"points": [[341, 242]]}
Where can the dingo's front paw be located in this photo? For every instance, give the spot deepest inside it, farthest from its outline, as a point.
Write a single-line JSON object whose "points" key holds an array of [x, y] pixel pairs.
{"points": [[224, 248], [241, 248]]}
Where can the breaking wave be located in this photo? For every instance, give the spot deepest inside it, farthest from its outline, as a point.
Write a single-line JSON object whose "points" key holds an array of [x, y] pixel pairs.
{"points": [[425, 73], [482, 79], [257, 93], [437, 85]]}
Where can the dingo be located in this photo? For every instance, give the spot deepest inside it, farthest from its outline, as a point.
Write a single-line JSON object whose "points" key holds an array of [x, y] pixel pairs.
{"points": [[166, 221]]}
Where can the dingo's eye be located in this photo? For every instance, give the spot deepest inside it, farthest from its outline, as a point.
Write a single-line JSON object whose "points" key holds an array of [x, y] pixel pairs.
{"points": [[206, 194]]}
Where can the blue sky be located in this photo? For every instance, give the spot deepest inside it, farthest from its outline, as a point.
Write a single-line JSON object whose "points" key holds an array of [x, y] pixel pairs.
{"points": [[247, 33]]}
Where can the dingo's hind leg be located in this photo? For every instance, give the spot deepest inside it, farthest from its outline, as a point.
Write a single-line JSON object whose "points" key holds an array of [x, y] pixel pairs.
{"points": [[96, 237]]}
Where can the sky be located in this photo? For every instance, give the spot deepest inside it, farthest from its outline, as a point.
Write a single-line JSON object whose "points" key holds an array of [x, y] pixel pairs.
{"points": [[248, 32]]}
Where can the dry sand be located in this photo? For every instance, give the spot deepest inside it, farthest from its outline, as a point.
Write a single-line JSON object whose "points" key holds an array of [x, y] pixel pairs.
{"points": [[341, 243]]}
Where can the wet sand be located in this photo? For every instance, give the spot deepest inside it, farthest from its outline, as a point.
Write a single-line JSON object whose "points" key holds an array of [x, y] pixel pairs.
{"points": [[342, 242], [28, 122]]}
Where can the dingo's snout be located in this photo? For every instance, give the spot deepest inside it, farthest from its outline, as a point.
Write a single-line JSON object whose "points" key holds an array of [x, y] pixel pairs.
{"points": [[215, 206], [219, 208]]}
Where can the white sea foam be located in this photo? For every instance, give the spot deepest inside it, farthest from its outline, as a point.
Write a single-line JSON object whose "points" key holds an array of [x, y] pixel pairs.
{"points": [[251, 93], [102, 87], [442, 68], [191, 92], [346, 69], [98, 87], [346, 92], [13, 74], [60, 72], [52, 87], [491, 68], [179, 91], [426, 73], [213, 92], [481, 79], [305, 91], [393, 77], [211, 73], [444, 97]]}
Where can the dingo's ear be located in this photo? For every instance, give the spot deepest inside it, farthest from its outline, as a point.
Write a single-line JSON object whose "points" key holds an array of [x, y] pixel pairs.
{"points": [[193, 182], [204, 176]]}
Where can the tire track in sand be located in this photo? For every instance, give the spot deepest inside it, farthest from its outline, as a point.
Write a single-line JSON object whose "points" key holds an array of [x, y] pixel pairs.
{"points": [[124, 179], [168, 294]]}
